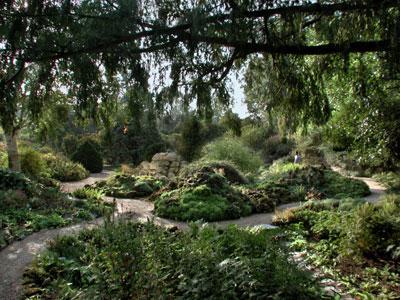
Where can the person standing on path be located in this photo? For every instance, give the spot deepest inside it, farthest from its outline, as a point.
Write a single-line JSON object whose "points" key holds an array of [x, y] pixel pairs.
{"points": [[297, 158]]}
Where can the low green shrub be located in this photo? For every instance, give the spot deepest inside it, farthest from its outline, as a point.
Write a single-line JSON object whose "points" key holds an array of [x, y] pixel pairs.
{"points": [[89, 157], [390, 180], [3, 156], [32, 163], [224, 168], [350, 238], [338, 186], [204, 195], [130, 186], [27, 206], [61, 168], [133, 261], [88, 193], [314, 179], [233, 150], [70, 144]]}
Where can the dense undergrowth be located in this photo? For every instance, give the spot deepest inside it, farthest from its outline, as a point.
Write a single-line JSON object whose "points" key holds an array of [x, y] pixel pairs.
{"points": [[205, 192], [134, 261], [355, 243], [129, 186], [27, 206]]}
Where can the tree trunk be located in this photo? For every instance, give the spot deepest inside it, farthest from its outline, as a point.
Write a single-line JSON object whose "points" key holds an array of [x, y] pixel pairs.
{"points": [[12, 150]]}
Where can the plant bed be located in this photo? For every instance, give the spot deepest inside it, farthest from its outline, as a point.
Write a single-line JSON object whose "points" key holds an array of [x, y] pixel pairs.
{"points": [[130, 186], [27, 206], [357, 244], [205, 195], [136, 261]]}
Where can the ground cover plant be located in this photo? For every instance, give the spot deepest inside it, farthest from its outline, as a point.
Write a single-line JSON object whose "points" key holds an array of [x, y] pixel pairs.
{"points": [[130, 186], [142, 261], [390, 180], [356, 243], [63, 169], [315, 181], [204, 195], [27, 206]]}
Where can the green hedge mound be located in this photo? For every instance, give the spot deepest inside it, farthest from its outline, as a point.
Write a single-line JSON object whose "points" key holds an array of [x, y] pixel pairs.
{"points": [[130, 186], [204, 195], [89, 157]]}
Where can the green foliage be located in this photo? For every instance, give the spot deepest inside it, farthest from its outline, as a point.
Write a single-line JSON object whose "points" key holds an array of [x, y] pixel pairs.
{"points": [[234, 151], [232, 122], [338, 186], [366, 120], [226, 169], [89, 157], [125, 260], [190, 139], [391, 180], [88, 193], [358, 242], [27, 206], [32, 163], [3, 156], [130, 186], [204, 195], [61, 168], [70, 144]]}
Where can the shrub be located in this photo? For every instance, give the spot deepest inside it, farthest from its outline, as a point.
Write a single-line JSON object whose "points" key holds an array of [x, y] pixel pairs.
{"points": [[70, 144], [390, 180], [255, 136], [204, 195], [189, 142], [61, 168], [234, 151], [3, 156], [277, 147], [338, 186], [32, 163], [223, 168], [133, 261], [89, 157], [130, 186]]}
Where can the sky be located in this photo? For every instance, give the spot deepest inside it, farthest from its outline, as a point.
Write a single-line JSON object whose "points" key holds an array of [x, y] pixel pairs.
{"points": [[239, 106]]}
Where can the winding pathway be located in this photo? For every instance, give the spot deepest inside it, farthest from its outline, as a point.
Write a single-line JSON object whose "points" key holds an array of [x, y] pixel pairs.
{"points": [[17, 256]]}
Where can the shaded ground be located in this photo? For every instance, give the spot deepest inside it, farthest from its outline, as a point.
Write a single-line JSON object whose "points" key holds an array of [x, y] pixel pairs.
{"points": [[17, 256]]}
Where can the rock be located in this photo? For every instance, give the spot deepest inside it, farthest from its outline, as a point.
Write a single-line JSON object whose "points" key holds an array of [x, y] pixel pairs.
{"points": [[162, 164]]}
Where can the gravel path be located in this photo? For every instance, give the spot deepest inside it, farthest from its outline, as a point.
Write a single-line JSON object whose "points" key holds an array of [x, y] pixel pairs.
{"points": [[17, 256]]}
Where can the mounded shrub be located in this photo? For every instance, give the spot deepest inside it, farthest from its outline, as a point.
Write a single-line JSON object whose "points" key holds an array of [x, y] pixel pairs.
{"points": [[89, 157], [226, 169], [130, 186], [70, 144], [61, 168], [32, 163], [233, 150], [204, 195]]}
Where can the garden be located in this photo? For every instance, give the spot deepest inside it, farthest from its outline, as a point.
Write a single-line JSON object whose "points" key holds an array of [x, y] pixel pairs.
{"points": [[199, 149]]}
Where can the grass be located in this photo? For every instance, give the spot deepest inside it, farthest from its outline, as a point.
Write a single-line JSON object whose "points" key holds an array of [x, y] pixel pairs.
{"points": [[133, 261]]}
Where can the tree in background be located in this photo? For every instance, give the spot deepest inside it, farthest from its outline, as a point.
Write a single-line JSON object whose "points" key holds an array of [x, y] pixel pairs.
{"points": [[190, 140], [88, 44], [232, 122]]}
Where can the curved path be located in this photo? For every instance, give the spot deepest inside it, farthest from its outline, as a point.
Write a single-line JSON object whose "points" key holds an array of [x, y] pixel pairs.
{"points": [[17, 256]]}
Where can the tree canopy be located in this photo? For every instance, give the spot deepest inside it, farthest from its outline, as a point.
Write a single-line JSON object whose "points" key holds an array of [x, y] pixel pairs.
{"points": [[92, 46]]}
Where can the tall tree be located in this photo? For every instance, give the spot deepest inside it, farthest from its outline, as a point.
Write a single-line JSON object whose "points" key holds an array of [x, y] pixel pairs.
{"points": [[86, 43]]}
